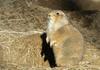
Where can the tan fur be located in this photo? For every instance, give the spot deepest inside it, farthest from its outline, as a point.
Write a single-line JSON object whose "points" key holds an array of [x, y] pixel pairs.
{"points": [[66, 40]]}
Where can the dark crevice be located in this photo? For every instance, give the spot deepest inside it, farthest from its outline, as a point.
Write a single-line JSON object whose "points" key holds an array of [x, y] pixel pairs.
{"points": [[47, 51]]}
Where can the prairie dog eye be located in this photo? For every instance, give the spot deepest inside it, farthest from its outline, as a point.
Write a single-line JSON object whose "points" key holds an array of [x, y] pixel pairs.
{"points": [[57, 13]]}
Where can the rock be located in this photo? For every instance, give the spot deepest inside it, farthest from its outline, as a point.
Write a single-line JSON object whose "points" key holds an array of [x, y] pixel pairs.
{"points": [[70, 4], [21, 49], [57, 4], [88, 4]]}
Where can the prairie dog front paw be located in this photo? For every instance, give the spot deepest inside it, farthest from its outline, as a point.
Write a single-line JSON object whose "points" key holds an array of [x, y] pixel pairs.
{"points": [[53, 43], [47, 40]]}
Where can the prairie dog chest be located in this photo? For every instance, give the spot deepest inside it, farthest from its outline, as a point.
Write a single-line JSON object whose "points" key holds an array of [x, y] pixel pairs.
{"points": [[53, 27]]}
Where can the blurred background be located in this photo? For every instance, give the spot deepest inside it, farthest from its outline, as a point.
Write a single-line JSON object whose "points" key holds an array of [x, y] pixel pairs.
{"points": [[60, 4]]}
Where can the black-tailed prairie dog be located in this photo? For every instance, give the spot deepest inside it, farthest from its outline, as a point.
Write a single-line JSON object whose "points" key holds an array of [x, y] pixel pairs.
{"points": [[66, 40]]}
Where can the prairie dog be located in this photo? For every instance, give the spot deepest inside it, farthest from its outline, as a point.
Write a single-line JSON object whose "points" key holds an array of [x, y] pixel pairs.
{"points": [[66, 41]]}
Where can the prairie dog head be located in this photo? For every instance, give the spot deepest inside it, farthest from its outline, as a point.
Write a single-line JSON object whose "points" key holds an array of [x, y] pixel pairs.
{"points": [[57, 17]]}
